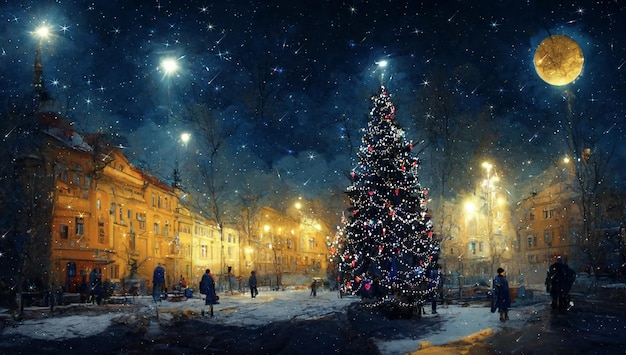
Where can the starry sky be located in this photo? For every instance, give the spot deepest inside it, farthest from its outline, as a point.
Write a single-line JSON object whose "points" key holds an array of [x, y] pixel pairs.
{"points": [[291, 80]]}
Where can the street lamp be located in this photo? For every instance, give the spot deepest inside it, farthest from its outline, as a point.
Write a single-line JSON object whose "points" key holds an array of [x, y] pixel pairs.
{"points": [[42, 33], [489, 186], [382, 65], [169, 66]]}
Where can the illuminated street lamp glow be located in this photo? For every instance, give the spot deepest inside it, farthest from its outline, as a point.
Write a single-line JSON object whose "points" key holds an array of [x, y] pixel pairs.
{"points": [[169, 66], [42, 32], [382, 63], [184, 137]]}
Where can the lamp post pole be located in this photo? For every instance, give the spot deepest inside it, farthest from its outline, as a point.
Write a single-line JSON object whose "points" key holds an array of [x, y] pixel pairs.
{"points": [[489, 186]]}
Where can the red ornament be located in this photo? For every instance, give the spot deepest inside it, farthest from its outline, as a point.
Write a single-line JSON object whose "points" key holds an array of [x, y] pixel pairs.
{"points": [[391, 212], [384, 231], [397, 192], [370, 148], [370, 193], [425, 192], [380, 249], [357, 279], [352, 174]]}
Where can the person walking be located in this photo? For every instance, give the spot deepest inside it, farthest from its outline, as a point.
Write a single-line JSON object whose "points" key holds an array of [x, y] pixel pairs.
{"points": [[207, 286], [435, 283], [158, 280], [314, 288], [95, 284], [501, 300], [252, 283], [559, 282]]}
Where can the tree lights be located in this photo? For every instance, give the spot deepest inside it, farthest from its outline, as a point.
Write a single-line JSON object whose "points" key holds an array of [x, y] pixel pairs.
{"points": [[388, 245]]}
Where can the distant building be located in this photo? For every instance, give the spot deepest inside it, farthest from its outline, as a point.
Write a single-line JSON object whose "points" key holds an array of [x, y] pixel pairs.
{"points": [[546, 227]]}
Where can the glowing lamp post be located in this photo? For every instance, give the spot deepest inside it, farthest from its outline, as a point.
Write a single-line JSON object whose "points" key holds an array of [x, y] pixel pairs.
{"points": [[489, 189], [382, 65], [42, 33]]}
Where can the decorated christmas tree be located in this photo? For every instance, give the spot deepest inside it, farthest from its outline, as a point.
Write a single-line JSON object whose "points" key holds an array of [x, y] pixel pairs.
{"points": [[386, 248]]}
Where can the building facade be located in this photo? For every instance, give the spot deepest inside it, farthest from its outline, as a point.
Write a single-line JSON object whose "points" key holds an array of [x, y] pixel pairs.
{"points": [[112, 217]]}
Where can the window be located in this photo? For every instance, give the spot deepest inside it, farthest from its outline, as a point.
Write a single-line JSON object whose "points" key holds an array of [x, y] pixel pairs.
{"points": [[203, 251], [64, 230], [481, 246], [451, 251], [156, 228], [112, 211], [547, 214], [312, 243], [114, 271], [101, 232], [532, 216], [141, 218], [160, 201], [472, 247], [289, 243], [532, 241], [173, 249], [230, 251], [153, 200], [80, 227], [121, 212], [548, 237], [99, 204]]}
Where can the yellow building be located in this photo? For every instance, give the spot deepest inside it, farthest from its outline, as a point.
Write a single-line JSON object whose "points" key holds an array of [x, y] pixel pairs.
{"points": [[546, 219], [287, 250], [110, 216]]}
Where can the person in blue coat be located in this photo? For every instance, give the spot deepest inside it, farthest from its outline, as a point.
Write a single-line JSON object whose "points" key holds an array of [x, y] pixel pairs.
{"points": [[207, 285], [501, 298], [158, 280]]}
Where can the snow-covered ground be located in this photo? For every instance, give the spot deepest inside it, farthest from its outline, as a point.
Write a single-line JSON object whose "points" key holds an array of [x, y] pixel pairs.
{"points": [[269, 306]]}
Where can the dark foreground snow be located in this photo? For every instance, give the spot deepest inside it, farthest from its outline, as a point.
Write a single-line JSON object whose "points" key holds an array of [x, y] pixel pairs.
{"points": [[292, 322]]}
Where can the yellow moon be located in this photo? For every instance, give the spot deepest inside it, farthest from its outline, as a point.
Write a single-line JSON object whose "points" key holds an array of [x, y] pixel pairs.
{"points": [[558, 60]]}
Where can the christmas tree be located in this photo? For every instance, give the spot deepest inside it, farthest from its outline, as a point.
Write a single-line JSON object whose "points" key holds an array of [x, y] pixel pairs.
{"points": [[387, 248]]}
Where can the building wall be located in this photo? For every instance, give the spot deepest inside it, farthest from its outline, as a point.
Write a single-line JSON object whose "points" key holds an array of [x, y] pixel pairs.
{"points": [[545, 230]]}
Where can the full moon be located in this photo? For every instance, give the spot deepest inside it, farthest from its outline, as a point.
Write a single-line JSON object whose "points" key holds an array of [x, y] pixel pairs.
{"points": [[558, 60]]}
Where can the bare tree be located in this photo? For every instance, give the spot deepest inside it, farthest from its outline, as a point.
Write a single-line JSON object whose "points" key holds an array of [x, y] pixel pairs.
{"points": [[27, 192], [592, 150]]}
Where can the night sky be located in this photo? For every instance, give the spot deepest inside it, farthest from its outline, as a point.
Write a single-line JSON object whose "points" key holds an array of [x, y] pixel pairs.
{"points": [[315, 63]]}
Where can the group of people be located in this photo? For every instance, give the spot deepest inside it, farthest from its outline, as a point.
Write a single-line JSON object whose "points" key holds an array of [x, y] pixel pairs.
{"points": [[559, 281]]}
